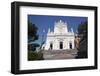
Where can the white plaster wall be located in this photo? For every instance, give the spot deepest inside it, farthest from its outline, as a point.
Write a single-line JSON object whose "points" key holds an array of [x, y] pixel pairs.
{"points": [[55, 40]]}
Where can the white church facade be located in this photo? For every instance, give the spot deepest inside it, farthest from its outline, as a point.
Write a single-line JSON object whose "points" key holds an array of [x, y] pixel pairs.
{"points": [[60, 38]]}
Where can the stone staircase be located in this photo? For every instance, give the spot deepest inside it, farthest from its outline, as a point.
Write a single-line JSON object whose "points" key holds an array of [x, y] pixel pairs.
{"points": [[59, 54]]}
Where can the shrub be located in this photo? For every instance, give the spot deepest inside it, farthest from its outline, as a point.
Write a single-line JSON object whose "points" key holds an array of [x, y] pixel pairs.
{"points": [[34, 56]]}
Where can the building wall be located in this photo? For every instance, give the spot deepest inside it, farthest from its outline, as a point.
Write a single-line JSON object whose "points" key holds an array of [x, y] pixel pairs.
{"points": [[61, 38], [55, 40]]}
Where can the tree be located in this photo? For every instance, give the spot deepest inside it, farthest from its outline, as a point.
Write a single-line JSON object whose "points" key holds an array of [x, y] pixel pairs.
{"points": [[82, 29], [32, 36], [82, 32], [32, 47], [32, 32]]}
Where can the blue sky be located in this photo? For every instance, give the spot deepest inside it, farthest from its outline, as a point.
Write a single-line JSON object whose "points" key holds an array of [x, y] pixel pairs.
{"points": [[43, 22]]}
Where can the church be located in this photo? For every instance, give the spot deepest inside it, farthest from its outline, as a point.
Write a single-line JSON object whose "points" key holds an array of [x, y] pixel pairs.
{"points": [[60, 38]]}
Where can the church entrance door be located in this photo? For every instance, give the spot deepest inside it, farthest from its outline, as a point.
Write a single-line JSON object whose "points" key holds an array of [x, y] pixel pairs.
{"points": [[51, 46], [61, 45], [70, 45]]}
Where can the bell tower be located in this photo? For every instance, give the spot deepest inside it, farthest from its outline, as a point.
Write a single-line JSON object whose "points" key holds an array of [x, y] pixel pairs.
{"points": [[60, 27]]}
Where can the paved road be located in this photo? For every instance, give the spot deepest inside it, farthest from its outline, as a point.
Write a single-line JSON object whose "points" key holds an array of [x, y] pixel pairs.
{"points": [[59, 54]]}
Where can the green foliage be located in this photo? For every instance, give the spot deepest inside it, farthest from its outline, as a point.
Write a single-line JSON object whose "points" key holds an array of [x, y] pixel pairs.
{"points": [[33, 46], [32, 32], [34, 56], [32, 36], [82, 32], [82, 28]]}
